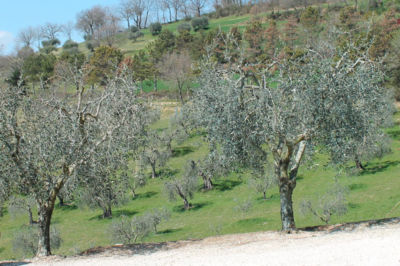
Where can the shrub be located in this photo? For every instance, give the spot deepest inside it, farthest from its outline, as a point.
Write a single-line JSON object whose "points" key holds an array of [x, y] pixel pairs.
{"points": [[184, 27], [134, 29], [136, 35], [155, 28], [70, 44], [200, 23], [25, 241]]}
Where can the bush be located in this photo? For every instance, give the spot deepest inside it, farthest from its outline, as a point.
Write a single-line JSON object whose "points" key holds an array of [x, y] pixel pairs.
{"points": [[184, 27], [25, 241], [70, 44], [129, 231], [92, 45], [136, 35], [155, 28], [134, 29], [200, 23]]}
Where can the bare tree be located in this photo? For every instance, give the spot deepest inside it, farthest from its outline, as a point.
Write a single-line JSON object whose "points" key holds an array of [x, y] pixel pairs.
{"points": [[90, 20], [198, 6], [46, 139], [26, 36], [141, 11], [177, 67], [51, 30], [109, 29], [126, 11], [68, 29]]}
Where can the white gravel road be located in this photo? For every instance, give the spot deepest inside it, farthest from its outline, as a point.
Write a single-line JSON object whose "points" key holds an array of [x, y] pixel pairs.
{"points": [[378, 245]]}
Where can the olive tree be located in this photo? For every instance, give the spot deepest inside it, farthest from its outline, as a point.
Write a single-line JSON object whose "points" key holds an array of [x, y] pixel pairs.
{"points": [[183, 187], [46, 139], [321, 99]]}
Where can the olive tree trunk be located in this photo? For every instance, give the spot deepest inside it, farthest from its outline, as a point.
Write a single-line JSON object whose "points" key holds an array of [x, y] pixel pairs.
{"points": [[44, 220]]}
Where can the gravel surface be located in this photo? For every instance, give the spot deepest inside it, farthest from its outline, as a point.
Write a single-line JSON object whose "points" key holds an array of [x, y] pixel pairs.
{"points": [[354, 245]]}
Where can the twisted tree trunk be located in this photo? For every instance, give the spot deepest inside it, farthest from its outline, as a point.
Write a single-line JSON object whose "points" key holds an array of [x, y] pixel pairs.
{"points": [[45, 211]]}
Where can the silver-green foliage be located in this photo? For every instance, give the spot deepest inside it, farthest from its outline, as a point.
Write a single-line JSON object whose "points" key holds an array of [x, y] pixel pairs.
{"points": [[183, 187], [130, 230], [332, 202], [25, 241], [323, 99], [45, 139]]}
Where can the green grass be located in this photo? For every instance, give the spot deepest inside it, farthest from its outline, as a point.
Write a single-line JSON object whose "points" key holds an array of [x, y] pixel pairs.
{"points": [[373, 194]]}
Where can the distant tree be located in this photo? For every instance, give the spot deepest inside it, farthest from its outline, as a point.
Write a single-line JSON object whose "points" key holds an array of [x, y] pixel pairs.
{"points": [[126, 11], [91, 20], [39, 68], [108, 31], [197, 6], [68, 29], [290, 34], [49, 46], [26, 36], [155, 28], [178, 69], [51, 30], [155, 152], [262, 180], [105, 184], [103, 64], [184, 187], [200, 23], [255, 36]]}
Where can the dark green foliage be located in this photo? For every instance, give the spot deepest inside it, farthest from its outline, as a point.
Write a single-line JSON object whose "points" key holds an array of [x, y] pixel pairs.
{"points": [[200, 23], [134, 29], [39, 68], [104, 62], [70, 44], [50, 45], [15, 78], [155, 28]]}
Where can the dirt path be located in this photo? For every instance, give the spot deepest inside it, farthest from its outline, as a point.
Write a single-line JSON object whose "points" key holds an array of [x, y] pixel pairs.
{"points": [[363, 245]]}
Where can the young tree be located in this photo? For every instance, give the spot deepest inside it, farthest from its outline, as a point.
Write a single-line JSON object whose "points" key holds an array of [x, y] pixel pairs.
{"points": [[262, 180], [45, 139], [309, 101], [155, 152], [333, 202], [183, 187], [68, 29], [17, 205]]}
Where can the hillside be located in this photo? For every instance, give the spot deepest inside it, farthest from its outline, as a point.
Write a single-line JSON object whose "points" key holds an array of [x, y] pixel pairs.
{"points": [[233, 206]]}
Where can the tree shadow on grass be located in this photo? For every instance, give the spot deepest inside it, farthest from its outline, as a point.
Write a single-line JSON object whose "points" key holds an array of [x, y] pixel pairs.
{"points": [[357, 186], [169, 231], [115, 214], [394, 133], [194, 207], [252, 221], [373, 168], [182, 151], [67, 207], [227, 184], [167, 172], [145, 195]]}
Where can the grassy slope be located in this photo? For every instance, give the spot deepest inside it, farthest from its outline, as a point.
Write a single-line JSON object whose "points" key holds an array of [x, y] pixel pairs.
{"points": [[372, 195]]}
